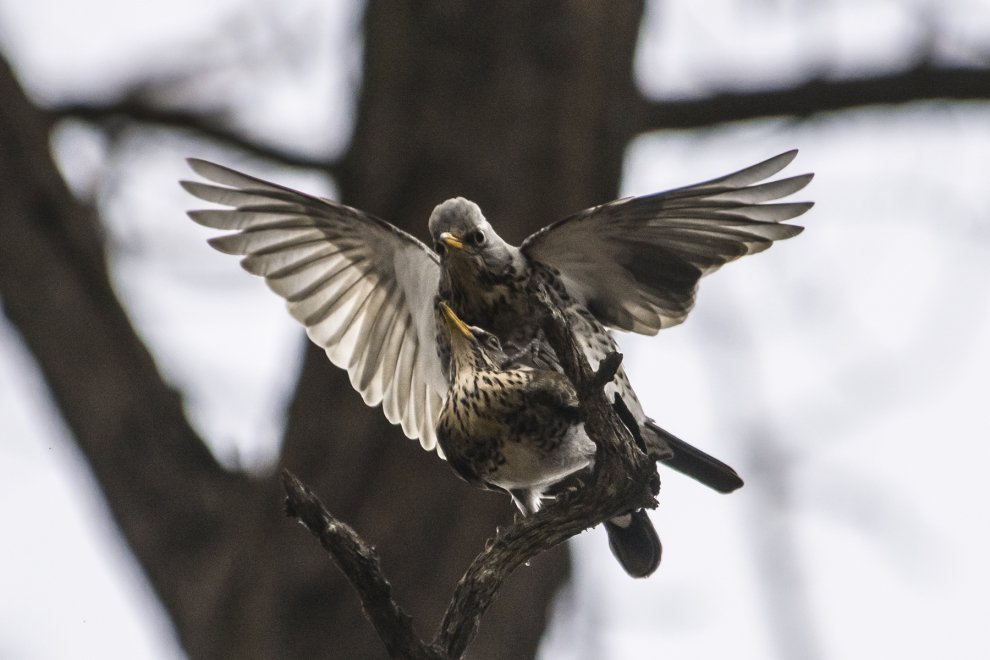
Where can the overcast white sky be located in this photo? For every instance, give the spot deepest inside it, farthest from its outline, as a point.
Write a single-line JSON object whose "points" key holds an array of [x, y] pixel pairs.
{"points": [[856, 353]]}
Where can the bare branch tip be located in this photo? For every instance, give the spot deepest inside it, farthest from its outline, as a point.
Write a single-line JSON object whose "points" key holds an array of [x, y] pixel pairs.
{"points": [[607, 369], [295, 493]]}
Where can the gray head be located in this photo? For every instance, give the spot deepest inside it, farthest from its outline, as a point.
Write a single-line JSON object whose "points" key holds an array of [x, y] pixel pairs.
{"points": [[464, 239]]}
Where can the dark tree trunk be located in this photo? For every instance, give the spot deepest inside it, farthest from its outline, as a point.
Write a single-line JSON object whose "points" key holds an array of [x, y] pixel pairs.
{"points": [[525, 108]]}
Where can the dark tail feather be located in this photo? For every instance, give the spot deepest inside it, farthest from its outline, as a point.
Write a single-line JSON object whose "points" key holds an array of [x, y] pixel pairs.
{"points": [[635, 543], [697, 464]]}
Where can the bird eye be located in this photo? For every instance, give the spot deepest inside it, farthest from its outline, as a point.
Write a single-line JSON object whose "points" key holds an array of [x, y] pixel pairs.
{"points": [[477, 237], [493, 343]]}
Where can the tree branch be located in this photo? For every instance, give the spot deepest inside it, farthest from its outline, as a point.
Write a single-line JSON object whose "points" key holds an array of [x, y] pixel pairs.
{"points": [[623, 478], [922, 83], [925, 82], [360, 563], [213, 126]]}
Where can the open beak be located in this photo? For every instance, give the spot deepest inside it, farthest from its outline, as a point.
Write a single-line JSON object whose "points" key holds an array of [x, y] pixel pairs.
{"points": [[451, 241], [453, 322]]}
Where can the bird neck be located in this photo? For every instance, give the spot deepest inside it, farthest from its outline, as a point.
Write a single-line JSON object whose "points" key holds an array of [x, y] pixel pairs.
{"points": [[478, 294], [467, 361]]}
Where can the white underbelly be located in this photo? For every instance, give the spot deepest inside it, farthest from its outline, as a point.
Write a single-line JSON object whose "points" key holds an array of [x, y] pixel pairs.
{"points": [[526, 467]]}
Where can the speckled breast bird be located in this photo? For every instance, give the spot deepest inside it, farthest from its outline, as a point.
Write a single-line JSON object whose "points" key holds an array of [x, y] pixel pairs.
{"points": [[518, 429], [365, 290]]}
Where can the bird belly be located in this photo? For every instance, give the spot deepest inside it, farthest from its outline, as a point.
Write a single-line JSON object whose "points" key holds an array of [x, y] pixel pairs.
{"points": [[527, 465]]}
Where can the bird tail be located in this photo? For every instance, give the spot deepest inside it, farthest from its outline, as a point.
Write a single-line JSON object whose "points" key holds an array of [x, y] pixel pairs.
{"points": [[635, 543], [693, 462]]}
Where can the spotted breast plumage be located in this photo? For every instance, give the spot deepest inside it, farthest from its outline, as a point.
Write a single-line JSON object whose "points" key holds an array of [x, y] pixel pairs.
{"points": [[518, 429]]}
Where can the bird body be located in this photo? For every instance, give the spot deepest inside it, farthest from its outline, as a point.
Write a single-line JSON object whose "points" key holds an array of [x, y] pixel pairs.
{"points": [[518, 429]]}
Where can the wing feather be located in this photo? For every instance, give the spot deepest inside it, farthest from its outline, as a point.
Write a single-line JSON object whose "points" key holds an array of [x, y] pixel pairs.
{"points": [[363, 289], [369, 376], [635, 262], [392, 368]]}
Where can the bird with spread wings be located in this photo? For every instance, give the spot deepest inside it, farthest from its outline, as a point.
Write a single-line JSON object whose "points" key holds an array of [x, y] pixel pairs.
{"points": [[365, 290]]}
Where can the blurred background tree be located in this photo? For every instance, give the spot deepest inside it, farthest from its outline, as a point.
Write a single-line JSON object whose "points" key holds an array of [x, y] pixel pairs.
{"points": [[530, 110]]}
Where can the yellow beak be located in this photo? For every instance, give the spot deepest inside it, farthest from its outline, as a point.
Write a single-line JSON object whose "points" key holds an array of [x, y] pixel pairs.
{"points": [[451, 241], [453, 322]]}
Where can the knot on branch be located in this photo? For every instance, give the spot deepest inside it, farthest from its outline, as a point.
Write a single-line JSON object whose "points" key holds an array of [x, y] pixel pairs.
{"points": [[604, 375]]}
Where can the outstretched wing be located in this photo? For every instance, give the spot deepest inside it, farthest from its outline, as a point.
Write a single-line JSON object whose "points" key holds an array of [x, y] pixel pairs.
{"points": [[635, 262], [363, 288]]}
